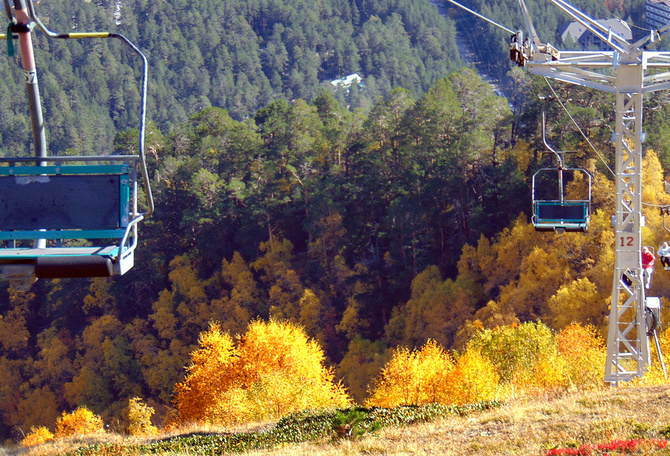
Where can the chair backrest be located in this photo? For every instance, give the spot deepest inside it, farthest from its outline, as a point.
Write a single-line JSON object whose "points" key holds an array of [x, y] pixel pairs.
{"points": [[547, 211], [65, 202], [561, 216]]}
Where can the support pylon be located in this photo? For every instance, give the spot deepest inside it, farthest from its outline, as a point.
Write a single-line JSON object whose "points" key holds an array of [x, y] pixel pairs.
{"points": [[625, 72]]}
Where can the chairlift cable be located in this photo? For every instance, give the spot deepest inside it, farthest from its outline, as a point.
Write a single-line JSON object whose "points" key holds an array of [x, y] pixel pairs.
{"points": [[587, 139], [578, 127], [602, 159], [548, 83], [482, 17]]}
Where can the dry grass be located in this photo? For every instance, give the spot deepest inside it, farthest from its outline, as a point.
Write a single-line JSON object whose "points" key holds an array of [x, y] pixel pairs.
{"points": [[528, 426], [59, 446], [62, 446]]}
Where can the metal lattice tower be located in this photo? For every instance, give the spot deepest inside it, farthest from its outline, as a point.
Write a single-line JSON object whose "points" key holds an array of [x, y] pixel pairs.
{"points": [[629, 71]]}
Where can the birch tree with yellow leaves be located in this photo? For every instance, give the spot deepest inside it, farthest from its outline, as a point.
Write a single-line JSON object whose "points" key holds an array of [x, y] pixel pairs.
{"points": [[272, 370]]}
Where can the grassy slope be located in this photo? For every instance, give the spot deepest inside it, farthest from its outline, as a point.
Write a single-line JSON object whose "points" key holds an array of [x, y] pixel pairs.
{"points": [[525, 427], [528, 427]]}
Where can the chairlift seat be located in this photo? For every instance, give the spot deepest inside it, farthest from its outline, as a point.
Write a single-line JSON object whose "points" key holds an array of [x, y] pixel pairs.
{"points": [[561, 216], [84, 204]]}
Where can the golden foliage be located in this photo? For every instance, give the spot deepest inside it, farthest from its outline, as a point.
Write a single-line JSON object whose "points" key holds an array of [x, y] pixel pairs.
{"points": [[414, 377], [362, 364], [516, 359], [518, 352], [274, 347], [37, 436], [311, 316], [274, 370], [548, 375], [99, 298], [577, 301], [14, 334], [139, 417], [286, 288], [584, 353], [653, 189], [473, 379], [238, 305], [208, 375], [183, 310], [435, 310], [351, 323], [541, 273], [80, 422], [523, 154]]}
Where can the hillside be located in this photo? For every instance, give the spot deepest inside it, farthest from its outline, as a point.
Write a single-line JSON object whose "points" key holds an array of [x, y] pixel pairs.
{"points": [[372, 229], [525, 427], [236, 55]]}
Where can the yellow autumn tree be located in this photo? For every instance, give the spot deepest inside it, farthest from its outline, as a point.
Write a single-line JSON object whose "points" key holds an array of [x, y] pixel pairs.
{"points": [[285, 287], [435, 311], [653, 188], [14, 334], [236, 307], [510, 249], [311, 316], [413, 377], [584, 353], [512, 268], [100, 300], [525, 355], [541, 273], [655, 233], [352, 324], [578, 301], [139, 418], [473, 379], [471, 266], [283, 371], [273, 370], [182, 311], [208, 376], [361, 364]]}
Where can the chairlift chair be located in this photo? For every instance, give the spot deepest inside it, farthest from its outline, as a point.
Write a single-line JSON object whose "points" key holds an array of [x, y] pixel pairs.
{"points": [[559, 213], [67, 216]]}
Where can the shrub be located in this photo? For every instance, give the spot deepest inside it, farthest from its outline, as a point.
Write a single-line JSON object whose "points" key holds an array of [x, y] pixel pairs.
{"points": [[80, 422], [584, 353], [413, 377], [37, 436], [519, 352], [473, 379], [139, 416], [208, 376], [274, 370]]}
